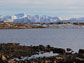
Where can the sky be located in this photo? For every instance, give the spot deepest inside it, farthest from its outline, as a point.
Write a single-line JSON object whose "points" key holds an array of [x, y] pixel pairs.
{"points": [[60, 8]]}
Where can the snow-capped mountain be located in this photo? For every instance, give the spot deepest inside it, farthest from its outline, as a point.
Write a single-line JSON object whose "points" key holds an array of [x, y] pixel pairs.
{"points": [[22, 15], [28, 18], [21, 20], [6, 18], [81, 18], [37, 18]]}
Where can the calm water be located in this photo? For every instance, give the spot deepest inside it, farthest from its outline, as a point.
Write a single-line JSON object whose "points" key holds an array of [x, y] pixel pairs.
{"points": [[73, 38]]}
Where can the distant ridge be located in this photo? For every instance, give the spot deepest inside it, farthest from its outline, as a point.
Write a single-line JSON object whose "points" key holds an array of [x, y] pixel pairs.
{"points": [[28, 18], [22, 17]]}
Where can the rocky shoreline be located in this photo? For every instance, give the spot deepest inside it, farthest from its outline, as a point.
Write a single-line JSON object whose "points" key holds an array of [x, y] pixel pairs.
{"points": [[10, 52], [11, 25]]}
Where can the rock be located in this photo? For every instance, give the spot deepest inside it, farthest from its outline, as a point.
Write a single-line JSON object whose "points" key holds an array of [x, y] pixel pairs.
{"points": [[58, 50], [4, 58], [81, 51]]}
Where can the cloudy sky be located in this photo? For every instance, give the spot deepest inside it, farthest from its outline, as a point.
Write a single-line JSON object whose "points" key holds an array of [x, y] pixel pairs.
{"points": [[60, 8]]}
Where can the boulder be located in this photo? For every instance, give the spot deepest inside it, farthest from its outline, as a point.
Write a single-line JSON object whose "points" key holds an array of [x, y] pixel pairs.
{"points": [[58, 50]]}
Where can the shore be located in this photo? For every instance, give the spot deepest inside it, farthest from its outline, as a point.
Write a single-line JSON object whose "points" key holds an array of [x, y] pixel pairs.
{"points": [[11, 25], [16, 53]]}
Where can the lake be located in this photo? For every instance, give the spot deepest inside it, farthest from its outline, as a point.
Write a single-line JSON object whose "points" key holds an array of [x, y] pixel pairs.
{"points": [[56, 37]]}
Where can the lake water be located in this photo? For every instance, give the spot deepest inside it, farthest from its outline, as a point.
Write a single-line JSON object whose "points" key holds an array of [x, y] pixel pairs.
{"points": [[56, 37]]}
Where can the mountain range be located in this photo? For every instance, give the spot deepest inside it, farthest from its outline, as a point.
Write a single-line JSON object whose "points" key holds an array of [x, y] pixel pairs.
{"points": [[36, 18]]}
